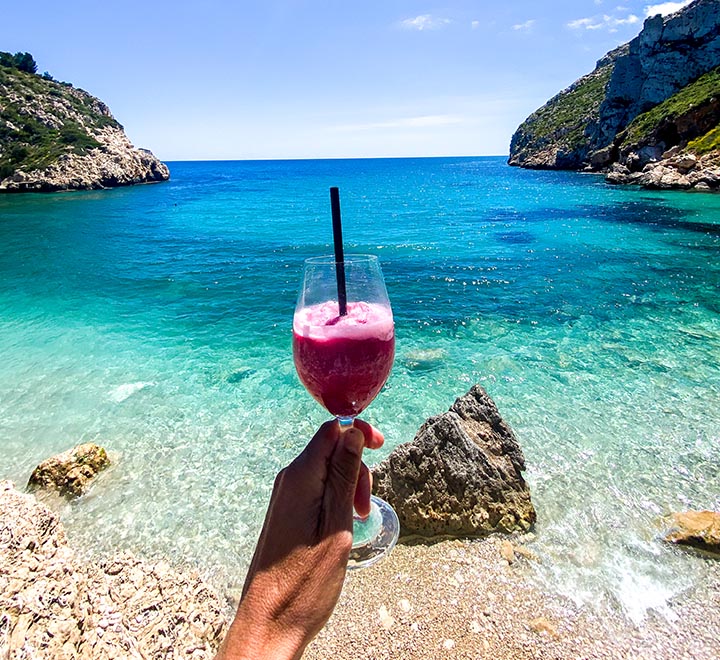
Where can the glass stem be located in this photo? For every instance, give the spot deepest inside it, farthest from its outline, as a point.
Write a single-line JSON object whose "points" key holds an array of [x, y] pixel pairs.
{"points": [[345, 422]]}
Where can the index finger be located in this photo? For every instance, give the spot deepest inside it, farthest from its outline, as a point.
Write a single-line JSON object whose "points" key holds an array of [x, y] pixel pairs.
{"points": [[374, 439]]}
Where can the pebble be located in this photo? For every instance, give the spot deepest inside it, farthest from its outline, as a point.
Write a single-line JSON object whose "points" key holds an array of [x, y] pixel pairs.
{"points": [[543, 626], [507, 552], [386, 620], [526, 552]]}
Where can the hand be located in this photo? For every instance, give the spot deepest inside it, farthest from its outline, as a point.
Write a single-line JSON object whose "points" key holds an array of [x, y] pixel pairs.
{"points": [[297, 572]]}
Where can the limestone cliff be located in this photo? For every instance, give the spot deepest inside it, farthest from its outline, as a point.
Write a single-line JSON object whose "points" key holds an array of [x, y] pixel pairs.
{"points": [[646, 107], [54, 136], [557, 135]]}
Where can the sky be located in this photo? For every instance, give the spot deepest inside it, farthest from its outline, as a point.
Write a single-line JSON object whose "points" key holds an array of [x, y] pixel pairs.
{"points": [[279, 79]]}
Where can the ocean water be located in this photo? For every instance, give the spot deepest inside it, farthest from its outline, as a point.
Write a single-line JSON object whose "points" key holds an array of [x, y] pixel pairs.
{"points": [[156, 320]]}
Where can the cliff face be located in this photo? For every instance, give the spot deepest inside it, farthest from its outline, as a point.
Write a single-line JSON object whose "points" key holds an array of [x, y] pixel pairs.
{"points": [[654, 98], [54, 136], [667, 55], [557, 136]]}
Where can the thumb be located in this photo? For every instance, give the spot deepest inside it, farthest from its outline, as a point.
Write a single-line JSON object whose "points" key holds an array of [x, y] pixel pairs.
{"points": [[342, 477]]}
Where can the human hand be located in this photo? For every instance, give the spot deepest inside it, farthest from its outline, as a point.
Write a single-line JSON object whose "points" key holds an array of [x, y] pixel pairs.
{"points": [[297, 572]]}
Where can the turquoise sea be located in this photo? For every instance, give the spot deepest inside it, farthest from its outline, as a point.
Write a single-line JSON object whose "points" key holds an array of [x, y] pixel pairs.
{"points": [[156, 320]]}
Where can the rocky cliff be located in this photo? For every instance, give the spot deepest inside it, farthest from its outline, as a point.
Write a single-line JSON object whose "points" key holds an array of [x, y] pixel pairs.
{"points": [[648, 106], [54, 136]]}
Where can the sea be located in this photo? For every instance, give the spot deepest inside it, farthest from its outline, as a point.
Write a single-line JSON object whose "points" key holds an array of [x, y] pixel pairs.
{"points": [[156, 321]]}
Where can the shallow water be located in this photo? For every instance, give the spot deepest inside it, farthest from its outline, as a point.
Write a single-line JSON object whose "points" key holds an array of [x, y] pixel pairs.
{"points": [[156, 320]]}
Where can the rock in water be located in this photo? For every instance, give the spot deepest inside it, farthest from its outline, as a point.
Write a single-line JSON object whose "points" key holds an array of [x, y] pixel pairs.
{"points": [[425, 360], [697, 528], [71, 472], [460, 476]]}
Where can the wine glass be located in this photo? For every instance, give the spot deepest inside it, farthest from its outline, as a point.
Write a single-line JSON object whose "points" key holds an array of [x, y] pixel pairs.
{"points": [[343, 360]]}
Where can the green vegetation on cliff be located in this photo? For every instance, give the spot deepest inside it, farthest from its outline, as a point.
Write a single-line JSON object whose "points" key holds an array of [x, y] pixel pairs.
{"points": [[704, 92], [566, 115], [556, 135], [707, 143], [646, 103], [20, 61], [41, 119]]}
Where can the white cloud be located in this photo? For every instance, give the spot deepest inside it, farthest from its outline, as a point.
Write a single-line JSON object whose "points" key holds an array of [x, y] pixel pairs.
{"points": [[666, 8], [524, 27], [604, 22], [425, 121], [475, 25], [424, 22], [630, 20], [587, 23]]}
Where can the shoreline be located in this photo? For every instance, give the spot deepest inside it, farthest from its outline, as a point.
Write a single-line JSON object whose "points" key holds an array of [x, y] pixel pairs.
{"points": [[461, 599], [428, 599]]}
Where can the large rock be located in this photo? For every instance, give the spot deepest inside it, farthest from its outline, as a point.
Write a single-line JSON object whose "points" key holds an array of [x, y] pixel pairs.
{"points": [[70, 473], [697, 528], [460, 476], [682, 172], [55, 606]]}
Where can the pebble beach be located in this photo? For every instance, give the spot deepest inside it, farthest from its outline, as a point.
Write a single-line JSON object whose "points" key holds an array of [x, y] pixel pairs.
{"points": [[443, 599], [464, 599]]}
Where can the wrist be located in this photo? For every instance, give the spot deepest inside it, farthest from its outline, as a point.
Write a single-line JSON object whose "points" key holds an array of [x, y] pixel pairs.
{"points": [[255, 637]]}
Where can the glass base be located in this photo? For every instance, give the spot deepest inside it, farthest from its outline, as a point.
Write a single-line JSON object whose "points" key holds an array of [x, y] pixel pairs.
{"points": [[374, 537]]}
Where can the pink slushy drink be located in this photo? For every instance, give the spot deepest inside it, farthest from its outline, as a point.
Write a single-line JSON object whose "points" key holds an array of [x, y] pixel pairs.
{"points": [[344, 361]]}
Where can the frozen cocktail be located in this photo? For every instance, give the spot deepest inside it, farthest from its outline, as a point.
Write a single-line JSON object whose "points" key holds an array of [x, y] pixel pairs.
{"points": [[344, 361]]}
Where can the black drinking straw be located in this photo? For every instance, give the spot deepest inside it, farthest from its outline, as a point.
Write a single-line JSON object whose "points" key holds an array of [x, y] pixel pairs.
{"points": [[339, 256]]}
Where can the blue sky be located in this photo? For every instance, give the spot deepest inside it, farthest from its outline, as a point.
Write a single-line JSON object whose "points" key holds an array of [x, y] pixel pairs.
{"points": [[314, 78]]}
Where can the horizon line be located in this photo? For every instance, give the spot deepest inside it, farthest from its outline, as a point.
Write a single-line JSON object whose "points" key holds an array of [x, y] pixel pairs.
{"points": [[306, 158]]}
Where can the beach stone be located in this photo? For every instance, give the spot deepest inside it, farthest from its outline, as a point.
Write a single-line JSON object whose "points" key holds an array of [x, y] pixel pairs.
{"points": [[56, 605], [71, 472], [385, 618], [507, 551], [544, 626], [460, 476], [697, 528]]}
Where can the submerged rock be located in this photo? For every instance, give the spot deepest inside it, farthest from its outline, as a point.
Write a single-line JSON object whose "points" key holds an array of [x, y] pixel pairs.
{"points": [[460, 476], [239, 375], [70, 473], [54, 605], [697, 528], [425, 359]]}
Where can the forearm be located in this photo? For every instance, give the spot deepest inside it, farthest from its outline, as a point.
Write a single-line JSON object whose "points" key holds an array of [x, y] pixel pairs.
{"points": [[250, 637]]}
